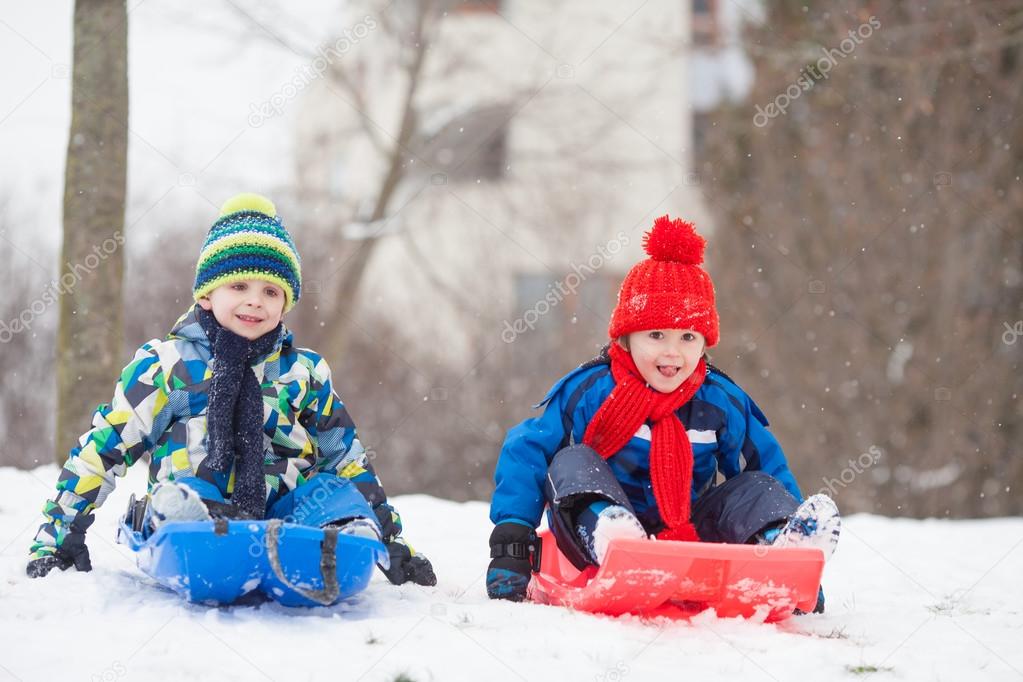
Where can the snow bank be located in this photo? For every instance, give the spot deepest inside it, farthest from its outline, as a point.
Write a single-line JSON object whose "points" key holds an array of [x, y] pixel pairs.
{"points": [[907, 600]]}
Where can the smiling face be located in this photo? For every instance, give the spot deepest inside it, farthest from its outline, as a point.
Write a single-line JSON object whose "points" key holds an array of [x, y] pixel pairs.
{"points": [[666, 357], [249, 308]]}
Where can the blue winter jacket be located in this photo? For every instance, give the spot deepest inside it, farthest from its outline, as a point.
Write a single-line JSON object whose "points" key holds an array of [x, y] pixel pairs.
{"points": [[726, 428]]}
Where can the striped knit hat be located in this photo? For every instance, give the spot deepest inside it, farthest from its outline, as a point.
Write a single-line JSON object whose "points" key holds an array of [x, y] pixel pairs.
{"points": [[248, 241]]}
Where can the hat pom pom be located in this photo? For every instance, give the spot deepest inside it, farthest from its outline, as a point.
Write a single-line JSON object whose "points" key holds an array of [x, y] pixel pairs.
{"points": [[675, 241], [248, 202]]}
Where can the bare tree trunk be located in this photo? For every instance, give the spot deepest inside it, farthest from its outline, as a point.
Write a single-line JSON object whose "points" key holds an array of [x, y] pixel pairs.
{"points": [[89, 336], [346, 293]]}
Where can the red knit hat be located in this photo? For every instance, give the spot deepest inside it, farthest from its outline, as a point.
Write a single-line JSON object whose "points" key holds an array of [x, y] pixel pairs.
{"points": [[668, 290]]}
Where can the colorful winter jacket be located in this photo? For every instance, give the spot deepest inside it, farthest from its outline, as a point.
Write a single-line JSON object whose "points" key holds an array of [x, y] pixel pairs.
{"points": [[727, 430], [159, 408]]}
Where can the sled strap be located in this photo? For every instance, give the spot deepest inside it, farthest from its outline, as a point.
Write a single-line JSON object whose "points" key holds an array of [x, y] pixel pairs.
{"points": [[328, 564]]}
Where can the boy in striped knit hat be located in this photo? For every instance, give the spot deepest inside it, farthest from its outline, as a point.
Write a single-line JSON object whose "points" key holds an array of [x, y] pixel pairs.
{"points": [[630, 443], [237, 420]]}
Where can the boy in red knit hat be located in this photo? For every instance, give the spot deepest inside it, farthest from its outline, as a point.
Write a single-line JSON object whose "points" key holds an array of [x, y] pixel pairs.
{"points": [[630, 443]]}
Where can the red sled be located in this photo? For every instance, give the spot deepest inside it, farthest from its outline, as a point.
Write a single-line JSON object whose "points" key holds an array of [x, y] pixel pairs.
{"points": [[679, 579]]}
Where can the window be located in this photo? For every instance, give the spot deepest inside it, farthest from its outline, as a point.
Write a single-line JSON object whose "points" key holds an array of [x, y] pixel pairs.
{"points": [[705, 22], [702, 124], [478, 7], [560, 321], [470, 146]]}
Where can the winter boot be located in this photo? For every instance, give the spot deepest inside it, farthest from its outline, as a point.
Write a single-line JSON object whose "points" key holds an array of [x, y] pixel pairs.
{"points": [[358, 527], [816, 523], [601, 522], [174, 502]]}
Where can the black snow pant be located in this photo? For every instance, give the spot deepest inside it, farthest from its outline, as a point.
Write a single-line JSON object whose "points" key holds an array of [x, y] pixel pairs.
{"points": [[734, 511]]}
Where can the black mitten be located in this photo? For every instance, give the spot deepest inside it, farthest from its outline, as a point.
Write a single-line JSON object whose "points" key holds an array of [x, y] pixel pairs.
{"points": [[514, 555], [72, 551], [408, 566]]}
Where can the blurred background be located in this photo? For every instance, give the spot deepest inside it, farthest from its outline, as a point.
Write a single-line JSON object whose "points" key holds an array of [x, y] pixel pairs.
{"points": [[468, 182]]}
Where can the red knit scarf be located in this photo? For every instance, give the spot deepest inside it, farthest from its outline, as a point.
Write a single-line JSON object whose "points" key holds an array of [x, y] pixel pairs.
{"points": [[630, 405]]}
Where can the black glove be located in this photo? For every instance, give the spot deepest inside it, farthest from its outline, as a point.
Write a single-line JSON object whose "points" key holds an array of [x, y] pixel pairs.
{"points": [[390, 522], [408, 566], [514, 555], [71, 552]]}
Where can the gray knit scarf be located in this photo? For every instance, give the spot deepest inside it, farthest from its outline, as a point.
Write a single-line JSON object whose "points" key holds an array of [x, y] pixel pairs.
{"points": [[234, 416]]}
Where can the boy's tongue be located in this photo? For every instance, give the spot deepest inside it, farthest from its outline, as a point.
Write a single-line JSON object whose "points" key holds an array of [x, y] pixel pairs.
{"points": [[667, 370]]}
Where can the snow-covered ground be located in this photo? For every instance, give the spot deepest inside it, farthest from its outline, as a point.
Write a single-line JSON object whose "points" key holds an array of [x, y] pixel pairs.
{"points": [[907, 600]]}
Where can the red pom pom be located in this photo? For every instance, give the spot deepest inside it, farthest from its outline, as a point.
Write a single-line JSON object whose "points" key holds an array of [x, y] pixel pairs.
{"points": [[674, 240]]}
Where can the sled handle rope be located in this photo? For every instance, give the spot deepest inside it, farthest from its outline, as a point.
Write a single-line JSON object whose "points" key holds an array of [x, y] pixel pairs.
{"points": [[328, 564]]}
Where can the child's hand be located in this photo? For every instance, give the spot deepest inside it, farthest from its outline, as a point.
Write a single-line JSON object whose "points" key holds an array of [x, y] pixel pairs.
{"points": [[70, 552], [408, 566], [512, 550]]}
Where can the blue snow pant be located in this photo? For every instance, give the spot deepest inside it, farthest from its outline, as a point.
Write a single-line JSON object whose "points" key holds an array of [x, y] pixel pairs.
{"points": [[734, 511], [323, 499]]}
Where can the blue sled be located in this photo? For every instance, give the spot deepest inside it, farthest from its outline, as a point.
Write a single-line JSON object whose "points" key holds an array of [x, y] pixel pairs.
{"points": [[220, 561]]}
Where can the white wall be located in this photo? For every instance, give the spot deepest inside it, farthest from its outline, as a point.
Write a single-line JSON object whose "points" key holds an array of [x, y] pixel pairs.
{"points": [[598, 146]]}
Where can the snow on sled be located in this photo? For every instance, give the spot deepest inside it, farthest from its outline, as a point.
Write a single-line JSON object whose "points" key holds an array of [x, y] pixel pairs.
{"points": [[219, 561], [679, 579]]}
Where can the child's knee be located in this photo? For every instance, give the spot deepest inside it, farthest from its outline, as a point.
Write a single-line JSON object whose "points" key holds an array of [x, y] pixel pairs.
{"points": [[204, 489], [577, 472]]}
